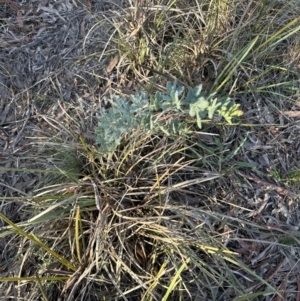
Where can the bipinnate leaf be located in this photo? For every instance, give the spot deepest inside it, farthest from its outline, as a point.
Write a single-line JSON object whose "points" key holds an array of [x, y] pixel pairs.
{"points": [[230, 110], [141, 111]]}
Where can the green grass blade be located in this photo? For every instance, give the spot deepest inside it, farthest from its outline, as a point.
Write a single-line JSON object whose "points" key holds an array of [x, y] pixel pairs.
{"points": [[36, 240]]}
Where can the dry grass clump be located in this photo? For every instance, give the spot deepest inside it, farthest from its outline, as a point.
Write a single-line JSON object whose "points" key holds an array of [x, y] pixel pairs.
{"points": [[209, 215], [140, 224], [214, 43]]}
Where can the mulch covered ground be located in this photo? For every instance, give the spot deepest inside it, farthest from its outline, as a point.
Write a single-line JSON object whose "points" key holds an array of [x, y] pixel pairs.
{"points": [[51, 55], [52, 64]]}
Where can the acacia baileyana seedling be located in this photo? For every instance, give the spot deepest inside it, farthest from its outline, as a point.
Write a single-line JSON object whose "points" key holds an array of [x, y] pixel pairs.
{"points": [[140, 110]]}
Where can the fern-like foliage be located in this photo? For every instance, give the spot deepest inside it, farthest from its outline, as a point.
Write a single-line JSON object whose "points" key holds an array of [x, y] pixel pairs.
{"points": [[201, 105], [119, 119], [141, 111]]}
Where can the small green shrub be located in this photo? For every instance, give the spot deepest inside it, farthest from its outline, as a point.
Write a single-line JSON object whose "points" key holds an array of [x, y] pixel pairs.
{"points": [[142, 111]]}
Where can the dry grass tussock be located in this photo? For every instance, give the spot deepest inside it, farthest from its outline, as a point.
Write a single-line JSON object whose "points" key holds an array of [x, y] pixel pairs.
{"points": [[208, 215]]}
